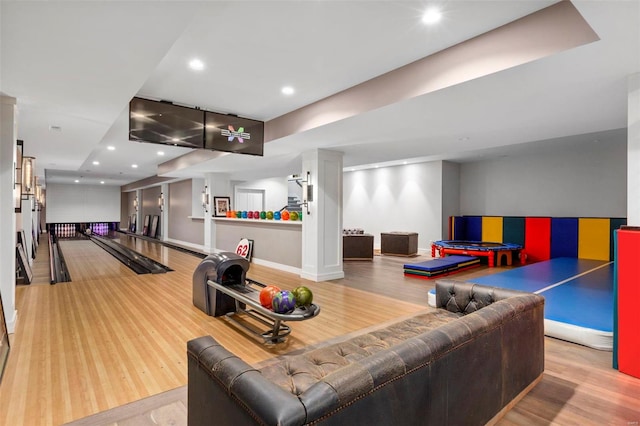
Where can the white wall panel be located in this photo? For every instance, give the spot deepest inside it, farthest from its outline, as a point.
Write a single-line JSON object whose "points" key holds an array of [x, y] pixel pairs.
{"points": [[82, 203], [401, 198], [275, 191]]}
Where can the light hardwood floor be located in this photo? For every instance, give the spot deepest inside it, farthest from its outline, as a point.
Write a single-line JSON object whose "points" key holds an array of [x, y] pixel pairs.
{"points": [[111, 337]]}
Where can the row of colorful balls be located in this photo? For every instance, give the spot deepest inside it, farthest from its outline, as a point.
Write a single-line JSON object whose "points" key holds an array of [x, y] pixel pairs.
{"points": [[284, 215]]}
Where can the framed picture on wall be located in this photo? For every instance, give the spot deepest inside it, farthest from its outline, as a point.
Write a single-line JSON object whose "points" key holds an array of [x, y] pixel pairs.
{"points": [[4, 340], [23, 264], [153, 233], [221, 206], [145, 227]]}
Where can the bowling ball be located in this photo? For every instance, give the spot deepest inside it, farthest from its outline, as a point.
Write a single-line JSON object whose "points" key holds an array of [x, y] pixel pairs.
{"points": [[285, 215], [293, 216], [283, 302], [238, 214], [276, 215], [303, 296], [263, 215], [266, 295], [256, 214], [269, 215], [250, 214], [229, 212], [244, 214]]}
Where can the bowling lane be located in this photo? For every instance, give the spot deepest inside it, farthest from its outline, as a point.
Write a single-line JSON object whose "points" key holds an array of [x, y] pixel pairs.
{"points": [[174, 259], [86, 261]]}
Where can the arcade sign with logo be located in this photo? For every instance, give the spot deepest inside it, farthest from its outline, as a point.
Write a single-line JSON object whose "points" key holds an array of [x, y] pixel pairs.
{"points": [[230, 133]]}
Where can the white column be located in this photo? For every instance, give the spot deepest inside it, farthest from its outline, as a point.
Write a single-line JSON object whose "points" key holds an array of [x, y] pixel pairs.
{"points": [[8, 137], [218, 185], [633, 151], [164, 215], [27, 220], [322, 227], [139, 222]]}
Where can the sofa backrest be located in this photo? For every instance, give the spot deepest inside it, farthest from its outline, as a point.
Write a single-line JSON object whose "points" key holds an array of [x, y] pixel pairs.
{"points": [[464, 297]]}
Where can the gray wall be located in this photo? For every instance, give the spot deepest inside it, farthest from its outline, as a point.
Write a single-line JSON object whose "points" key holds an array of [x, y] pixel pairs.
{"points": [[274, 241], [150, 206], [126, 208], [181, 227], [585, 181], [401, 198]]}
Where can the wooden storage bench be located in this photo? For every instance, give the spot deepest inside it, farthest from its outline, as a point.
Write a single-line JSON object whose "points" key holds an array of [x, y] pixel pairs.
{"points": [[399, 243]]}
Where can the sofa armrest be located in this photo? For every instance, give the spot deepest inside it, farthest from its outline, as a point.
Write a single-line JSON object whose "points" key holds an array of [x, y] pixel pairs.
{"points": [[466, 297], [225, 390]]}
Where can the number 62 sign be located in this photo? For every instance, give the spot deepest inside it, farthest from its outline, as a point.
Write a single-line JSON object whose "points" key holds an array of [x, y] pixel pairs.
{"points": [[245, 248]]}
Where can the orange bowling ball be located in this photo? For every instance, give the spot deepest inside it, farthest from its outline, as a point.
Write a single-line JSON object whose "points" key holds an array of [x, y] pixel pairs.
{"points": [[266, 295]]}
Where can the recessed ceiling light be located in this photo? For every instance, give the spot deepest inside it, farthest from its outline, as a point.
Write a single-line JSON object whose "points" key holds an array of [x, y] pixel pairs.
{"points": [[76, 181], [96, 163], [135, 166], [161, 153], [175, 140], [196, 64], [111, 148], [431, 16], [404, 162], [101, 182], [288, 90]]}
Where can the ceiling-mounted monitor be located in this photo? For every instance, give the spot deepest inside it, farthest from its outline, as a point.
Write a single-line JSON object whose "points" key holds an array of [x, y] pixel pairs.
{"points": [[230, 133], [165, 123]]}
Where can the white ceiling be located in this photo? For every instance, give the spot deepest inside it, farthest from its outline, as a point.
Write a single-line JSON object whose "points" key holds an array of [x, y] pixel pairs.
{"points": [[77, 64]]}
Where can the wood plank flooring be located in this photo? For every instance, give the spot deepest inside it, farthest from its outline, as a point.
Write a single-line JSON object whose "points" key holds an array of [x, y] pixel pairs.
{"points": [[111, 337]]}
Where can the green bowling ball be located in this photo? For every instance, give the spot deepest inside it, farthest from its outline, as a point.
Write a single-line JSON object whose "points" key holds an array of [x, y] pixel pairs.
{"points": [[303, 296], [263, 215], [239, 214]]}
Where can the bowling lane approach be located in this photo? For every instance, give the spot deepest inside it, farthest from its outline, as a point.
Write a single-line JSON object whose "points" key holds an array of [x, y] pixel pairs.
{"points": [[87, 261]]}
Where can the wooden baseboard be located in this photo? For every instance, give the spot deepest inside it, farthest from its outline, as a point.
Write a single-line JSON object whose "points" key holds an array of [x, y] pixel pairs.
{"points": [[513, 402]]}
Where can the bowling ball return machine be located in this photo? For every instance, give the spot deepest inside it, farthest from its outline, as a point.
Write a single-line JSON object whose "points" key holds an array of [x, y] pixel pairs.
{"points": [[221, 288]]}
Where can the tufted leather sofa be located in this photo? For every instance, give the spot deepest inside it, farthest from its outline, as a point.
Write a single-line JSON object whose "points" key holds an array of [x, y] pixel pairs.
{"points": [[463, 362]]}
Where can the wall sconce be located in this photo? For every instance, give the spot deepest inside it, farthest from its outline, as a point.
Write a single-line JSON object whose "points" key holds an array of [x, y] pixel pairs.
{"points": [[28, 177], [205, 199], [17, 177], [161, 201], [307, 192], [135, 203], [38, 197]]}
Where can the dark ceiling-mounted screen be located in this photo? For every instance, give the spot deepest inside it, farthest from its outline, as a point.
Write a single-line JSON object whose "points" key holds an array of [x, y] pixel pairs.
{"points": [[233, 134], [165, 123]]}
